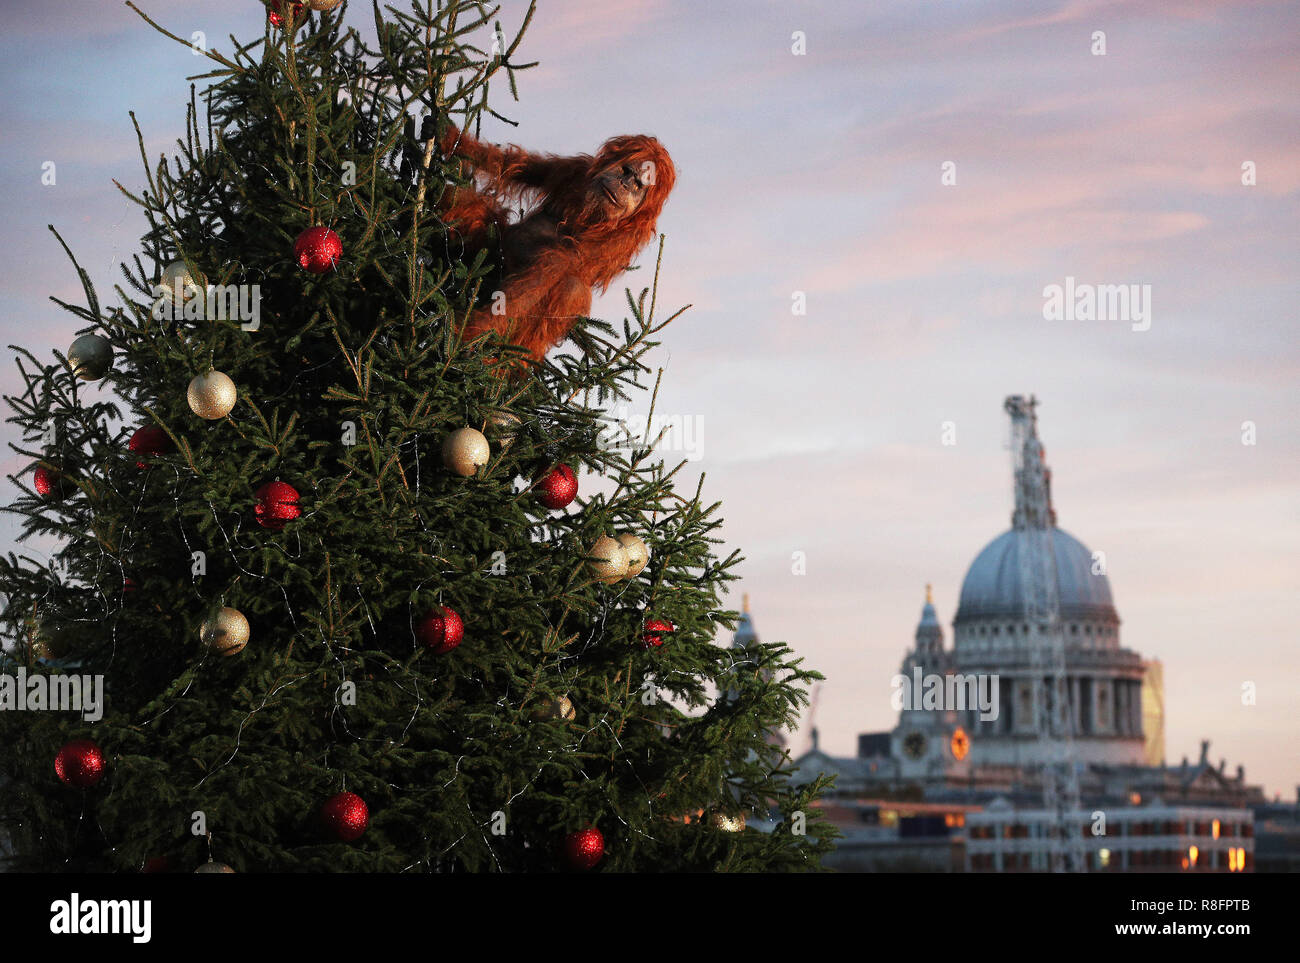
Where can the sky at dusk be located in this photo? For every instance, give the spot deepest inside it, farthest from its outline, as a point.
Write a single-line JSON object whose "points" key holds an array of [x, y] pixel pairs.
{"points": [[821, 174]]}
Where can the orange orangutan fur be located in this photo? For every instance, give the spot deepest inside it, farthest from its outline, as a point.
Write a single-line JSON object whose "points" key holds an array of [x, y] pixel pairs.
{"points": [[564, 245]]}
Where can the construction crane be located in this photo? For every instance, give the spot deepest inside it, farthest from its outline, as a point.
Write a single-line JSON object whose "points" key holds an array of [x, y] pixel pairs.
{"points": [[1035, 521]]}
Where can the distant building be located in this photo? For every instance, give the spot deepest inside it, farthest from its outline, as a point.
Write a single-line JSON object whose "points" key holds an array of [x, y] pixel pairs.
{"points": [[1154, 838], [744, 636], [1153, 712], [966, 743], [1277, 836]]}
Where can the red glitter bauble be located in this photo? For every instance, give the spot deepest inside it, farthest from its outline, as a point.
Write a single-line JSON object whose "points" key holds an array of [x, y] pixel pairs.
{"points": [[79, 764], [585, 848], [440, 631], [277, 503], [49, 483], [557, 487], [653, 628], [345, 815], [276, 13], [149, 440], [317, 250]]}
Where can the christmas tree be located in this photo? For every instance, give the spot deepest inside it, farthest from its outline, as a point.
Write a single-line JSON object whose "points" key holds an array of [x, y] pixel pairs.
{"points": [[329, 558]]}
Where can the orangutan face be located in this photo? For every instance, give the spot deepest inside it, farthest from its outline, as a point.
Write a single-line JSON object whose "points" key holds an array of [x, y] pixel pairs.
{"points": [[621, 188]]}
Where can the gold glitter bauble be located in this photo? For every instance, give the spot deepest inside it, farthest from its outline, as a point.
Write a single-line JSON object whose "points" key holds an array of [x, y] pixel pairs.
{"points": [[211, 867], [227, 633], [48, 641], [90, 356], [323, 5], [638, 553], [212, 395], [505, 426], [608, 560], [726, 823], [465, 451], [177, 271], [561, 708]]}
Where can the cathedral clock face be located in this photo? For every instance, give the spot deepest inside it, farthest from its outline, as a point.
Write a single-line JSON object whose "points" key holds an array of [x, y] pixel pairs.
{"points": [[914, 745], [960, 744]]}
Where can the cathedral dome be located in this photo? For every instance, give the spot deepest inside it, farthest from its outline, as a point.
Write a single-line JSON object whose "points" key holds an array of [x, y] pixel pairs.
{"points": [[992, 589]]}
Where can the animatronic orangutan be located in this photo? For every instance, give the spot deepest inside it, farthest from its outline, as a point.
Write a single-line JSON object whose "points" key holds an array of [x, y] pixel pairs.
{"points": [[588, 217]]}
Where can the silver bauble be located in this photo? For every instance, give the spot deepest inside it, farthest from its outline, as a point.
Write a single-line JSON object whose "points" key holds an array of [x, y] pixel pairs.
{"points": [[177, 271], [211, 867], [90, 356]]}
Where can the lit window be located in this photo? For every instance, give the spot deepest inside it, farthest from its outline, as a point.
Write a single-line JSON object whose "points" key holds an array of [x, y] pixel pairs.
{"points": [[1192, 853], [1214, 829], [1103, 857]]}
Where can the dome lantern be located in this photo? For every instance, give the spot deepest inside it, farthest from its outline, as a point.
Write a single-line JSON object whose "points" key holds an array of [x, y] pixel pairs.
{"points": [[929, 633], [745, 631]]}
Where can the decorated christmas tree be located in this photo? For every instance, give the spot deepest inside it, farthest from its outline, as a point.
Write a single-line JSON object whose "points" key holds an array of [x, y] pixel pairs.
{"points": [[320, 515]]}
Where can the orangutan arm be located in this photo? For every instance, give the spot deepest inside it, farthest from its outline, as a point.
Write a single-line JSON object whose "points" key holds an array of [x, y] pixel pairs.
{"points": [[539, 309], [512, 166]]}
